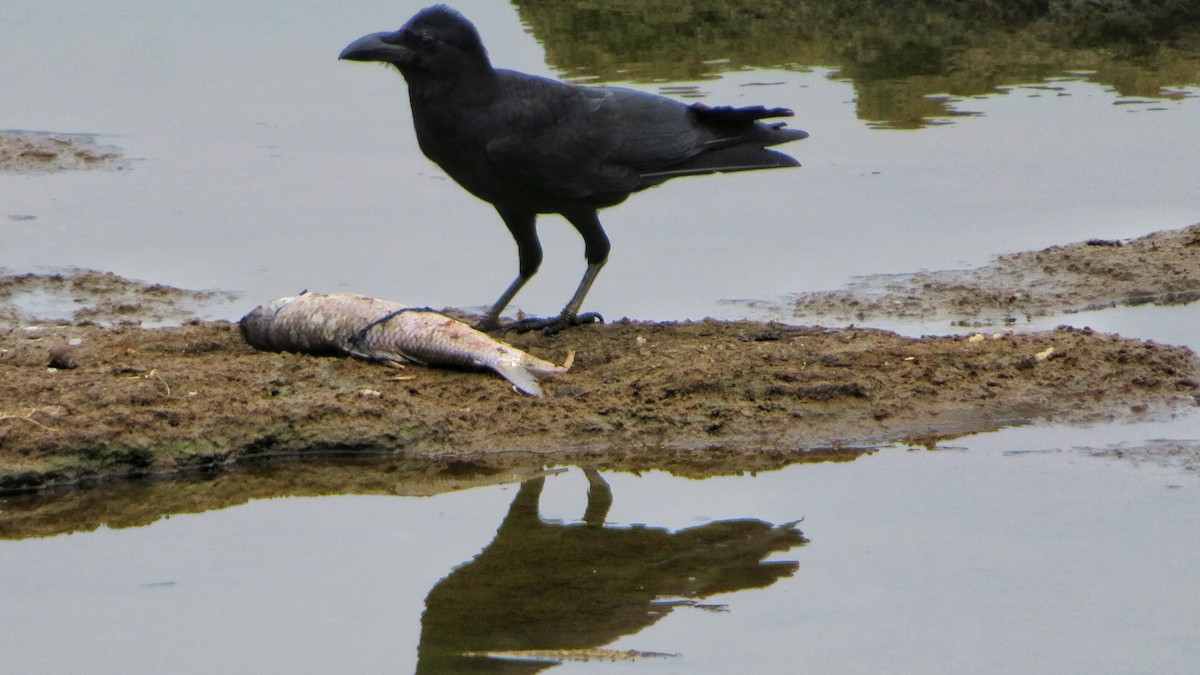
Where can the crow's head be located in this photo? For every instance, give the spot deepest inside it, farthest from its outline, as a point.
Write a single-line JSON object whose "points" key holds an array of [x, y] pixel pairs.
{"points": [[437, 41]]}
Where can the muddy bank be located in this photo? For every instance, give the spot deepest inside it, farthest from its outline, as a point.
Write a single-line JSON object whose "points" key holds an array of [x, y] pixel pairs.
{"points": [[42, 152], [1160, 268], [89, 296], [697, 398], [96, 394]]}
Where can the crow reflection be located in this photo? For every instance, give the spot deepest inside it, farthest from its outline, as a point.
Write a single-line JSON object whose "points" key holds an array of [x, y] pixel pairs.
{"points": [[548, 586]]}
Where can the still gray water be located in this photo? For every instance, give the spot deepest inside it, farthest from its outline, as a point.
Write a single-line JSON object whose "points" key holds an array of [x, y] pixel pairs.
{"points": [[1014, 552], [262, 165]]}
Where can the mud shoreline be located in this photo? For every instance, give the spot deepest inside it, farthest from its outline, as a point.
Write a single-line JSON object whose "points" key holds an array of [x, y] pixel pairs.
{"points": [[696, 398], [43, 152], [1161, 268]]}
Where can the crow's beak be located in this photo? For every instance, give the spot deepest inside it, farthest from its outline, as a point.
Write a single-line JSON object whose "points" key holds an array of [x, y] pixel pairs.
{"points": [[384, 47]]}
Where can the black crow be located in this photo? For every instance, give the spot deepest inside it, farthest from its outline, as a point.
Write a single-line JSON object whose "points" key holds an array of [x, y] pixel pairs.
{"points": [[533, 145]]}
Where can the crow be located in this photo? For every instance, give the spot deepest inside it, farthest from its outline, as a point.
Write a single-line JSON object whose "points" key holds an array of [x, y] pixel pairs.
{"points": [[532, 145]]}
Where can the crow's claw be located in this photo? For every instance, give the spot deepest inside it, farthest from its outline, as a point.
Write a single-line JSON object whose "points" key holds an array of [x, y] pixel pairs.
{"points": [[485, 326], [553, 325]]}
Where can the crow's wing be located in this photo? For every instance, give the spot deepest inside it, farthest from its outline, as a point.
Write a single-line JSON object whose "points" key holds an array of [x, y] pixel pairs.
{"points": [[579, 142]]}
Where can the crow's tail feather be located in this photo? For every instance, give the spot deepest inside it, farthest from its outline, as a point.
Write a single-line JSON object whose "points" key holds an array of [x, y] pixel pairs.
{"points": [[727, 114]]}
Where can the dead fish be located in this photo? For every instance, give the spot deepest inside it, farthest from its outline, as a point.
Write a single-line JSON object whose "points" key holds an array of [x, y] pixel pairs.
{"points": [[382, 330]]}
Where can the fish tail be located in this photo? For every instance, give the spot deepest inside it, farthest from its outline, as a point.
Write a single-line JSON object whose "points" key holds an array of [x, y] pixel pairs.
{"points": [[521, 377]]}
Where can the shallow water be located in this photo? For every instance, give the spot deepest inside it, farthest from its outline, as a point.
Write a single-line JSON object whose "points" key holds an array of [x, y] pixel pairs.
{"points": [[1013, 552], [263, 165]]}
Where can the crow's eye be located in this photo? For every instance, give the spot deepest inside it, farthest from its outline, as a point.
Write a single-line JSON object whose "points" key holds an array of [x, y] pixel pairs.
{"points": [[426, 41]]}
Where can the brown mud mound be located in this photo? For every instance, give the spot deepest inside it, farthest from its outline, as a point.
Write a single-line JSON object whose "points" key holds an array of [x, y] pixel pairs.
{"points": [[40, 152], [1160, 268], [697, 398]]}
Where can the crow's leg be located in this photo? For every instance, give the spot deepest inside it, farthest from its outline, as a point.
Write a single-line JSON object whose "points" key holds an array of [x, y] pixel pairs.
{"points": [[492, 320], [596, 249], [529, 251], [599, 498]]}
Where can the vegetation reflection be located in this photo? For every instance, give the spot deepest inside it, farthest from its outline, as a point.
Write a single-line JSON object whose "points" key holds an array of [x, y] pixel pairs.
{"points": [[543, 591], [906, 61]]}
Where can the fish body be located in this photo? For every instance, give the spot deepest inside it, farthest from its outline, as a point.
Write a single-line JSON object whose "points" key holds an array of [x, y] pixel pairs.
{"points": [[383, 330]]}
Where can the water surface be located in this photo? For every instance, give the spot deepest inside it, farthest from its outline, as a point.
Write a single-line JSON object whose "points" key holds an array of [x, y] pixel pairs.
{"points": [[262, 165], [266, 166]]}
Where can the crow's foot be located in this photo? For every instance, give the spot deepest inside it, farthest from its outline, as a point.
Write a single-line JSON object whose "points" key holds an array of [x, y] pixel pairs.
{"points": [[486, 325], [554, 325]]}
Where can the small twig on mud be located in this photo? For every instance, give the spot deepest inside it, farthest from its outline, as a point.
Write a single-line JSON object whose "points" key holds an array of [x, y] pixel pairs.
{"points": [[28, 417], [154, 373], [398, 366], [7, 354]]}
